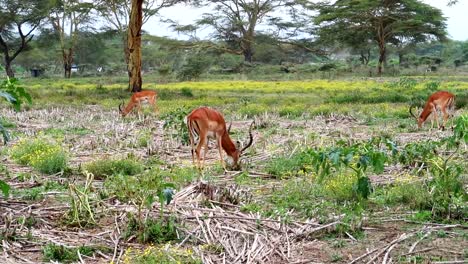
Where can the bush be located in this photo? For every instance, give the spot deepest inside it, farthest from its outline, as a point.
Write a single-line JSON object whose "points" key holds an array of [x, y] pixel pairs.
{"points": [[39, 153], [101, 169]]}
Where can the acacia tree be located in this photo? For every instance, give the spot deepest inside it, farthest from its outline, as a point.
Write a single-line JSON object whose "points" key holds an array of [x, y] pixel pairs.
{"points": [[117, 14], [235, 21], [68, 17], [134, 45], [383, 22], [18, 20]]}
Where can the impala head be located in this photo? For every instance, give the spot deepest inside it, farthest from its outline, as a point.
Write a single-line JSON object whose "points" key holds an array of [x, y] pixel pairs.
{"points": [[419, 119], [240, 151], [121, 110]]}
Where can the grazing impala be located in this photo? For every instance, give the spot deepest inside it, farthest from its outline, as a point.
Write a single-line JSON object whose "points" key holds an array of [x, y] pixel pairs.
{"points": [[137, 100], [209, 123], [442, 100]]}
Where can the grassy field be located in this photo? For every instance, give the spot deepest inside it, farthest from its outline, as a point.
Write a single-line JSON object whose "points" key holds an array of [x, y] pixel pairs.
{"points": [[338, 173]]}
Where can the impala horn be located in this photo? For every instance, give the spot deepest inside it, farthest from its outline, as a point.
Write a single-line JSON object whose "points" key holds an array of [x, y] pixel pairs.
{"points": [[251, 138], [229, 128], [411, 111], [120, 107]]}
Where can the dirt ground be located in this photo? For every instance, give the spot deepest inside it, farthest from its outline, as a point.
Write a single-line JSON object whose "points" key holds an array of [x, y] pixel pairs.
{"points": [[386, 236]]}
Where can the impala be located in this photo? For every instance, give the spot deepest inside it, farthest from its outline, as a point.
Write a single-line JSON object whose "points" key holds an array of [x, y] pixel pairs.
{"points": [[442, 100], [209, 123], [137, 100]]}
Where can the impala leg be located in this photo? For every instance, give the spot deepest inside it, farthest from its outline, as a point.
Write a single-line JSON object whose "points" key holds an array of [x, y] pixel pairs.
{"points": [[434, 111], [220, 148], [201, 143], [432, 121], [444, 112], [192, 145], [205, 146]]}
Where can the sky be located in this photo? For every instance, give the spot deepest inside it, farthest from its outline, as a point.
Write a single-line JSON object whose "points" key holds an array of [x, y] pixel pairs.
{"points": [[457, 19]]}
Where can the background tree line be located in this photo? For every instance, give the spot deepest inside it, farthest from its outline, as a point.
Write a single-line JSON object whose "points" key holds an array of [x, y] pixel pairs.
{"points": [[61, 36]]}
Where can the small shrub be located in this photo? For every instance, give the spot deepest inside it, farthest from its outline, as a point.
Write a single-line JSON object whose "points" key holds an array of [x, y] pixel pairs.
{"points": [[152, 230], [187, 92], [41, 154], [104, 168]]}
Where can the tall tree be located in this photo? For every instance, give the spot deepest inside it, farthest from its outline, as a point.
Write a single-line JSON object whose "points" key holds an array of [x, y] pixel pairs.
{"points": [[18, 20], [117, 14], [382, 21], [68, 17], [235, 21], [134, 45]]}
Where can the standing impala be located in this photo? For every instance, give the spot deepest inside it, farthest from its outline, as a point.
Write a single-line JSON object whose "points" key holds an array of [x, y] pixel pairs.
{"points": [[442, 100], [137, 100], [209, 123]]}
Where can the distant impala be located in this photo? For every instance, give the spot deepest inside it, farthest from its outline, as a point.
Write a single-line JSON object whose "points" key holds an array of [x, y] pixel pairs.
{"points": [[442, 100], [209, 123], [137, 100]]}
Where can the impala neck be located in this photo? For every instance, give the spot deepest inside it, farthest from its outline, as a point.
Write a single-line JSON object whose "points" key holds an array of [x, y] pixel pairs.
{"points": [[425, 113], [227, 144], [128, 108]]}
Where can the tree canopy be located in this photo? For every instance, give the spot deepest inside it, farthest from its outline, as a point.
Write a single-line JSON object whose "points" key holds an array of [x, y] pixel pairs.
{"points": [[18, 20], [383, 22]]}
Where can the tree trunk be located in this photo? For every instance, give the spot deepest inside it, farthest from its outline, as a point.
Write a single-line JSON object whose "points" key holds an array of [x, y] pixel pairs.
{"points": [[248, 54], [134, 46], [365, 56], [67, 62], [9, 71], [382, 58]]}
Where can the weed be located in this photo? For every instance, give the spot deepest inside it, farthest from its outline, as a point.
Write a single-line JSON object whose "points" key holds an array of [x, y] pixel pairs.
{"points": [[164, 254], [408, 192], [81, 211], [60, 253]]}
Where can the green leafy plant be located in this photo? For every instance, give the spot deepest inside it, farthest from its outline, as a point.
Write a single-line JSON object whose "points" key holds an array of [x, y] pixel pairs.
{"points": [[14, 94], [175, 120]]}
